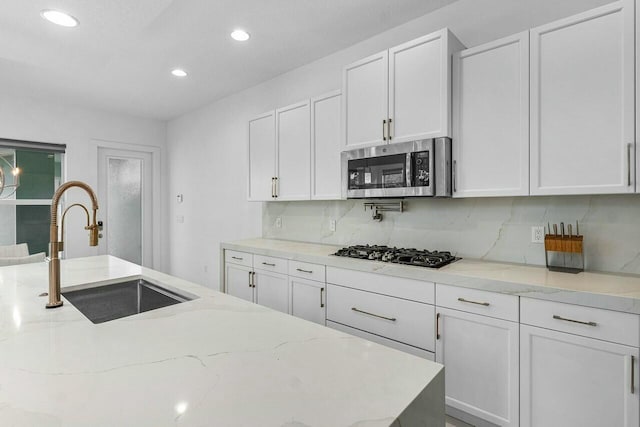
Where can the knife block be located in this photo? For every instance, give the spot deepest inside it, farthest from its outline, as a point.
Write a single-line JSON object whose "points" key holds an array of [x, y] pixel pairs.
{"points": [[565, 245]]}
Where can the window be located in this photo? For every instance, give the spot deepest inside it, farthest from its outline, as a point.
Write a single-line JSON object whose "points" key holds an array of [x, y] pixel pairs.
{"points": [[24, 213]]}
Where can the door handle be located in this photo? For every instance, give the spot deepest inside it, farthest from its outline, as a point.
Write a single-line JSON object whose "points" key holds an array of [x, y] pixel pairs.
{"points": [[392, 319], [269, 264], [276, 187], [486, 304], [629, 164], [321, 300], [384, 130], [437, 326], [389, 129], [555, 316], [304, 271], [455, 187], [633, 374]]}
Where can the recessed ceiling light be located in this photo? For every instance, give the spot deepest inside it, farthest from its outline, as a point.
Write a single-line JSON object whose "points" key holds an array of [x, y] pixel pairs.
{"points": [[179, 73], [240, 35], [59, 18]]}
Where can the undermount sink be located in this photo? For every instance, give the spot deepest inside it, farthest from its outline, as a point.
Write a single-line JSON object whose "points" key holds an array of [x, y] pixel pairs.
{"points": [[109, 302]]}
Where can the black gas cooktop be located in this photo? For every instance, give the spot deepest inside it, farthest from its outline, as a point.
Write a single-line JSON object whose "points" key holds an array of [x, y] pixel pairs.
{"points": [[422, 258]]}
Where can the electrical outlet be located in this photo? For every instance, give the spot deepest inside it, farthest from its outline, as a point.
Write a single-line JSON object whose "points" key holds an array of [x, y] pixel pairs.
{"points": [[278, 222], [332, 225], [537, 234], [180, 219]]}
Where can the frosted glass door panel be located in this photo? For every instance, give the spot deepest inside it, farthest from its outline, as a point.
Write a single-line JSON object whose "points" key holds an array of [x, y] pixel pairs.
{"points": [[124, 210]]}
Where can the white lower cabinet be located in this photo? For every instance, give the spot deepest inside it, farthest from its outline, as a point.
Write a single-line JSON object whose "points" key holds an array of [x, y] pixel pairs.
{"points": [[238, 281], [308, 299], [570, 380], [271, 290], [480, 355]]}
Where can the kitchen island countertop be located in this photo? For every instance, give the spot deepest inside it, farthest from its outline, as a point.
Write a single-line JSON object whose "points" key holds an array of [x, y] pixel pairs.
{"points": [[215, 360]]}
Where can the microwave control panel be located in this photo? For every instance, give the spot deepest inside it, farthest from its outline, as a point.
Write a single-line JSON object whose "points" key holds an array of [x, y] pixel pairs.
{"points": [[420, 165]]}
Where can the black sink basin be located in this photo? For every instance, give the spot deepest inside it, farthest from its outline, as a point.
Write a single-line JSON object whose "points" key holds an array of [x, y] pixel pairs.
{"points": [[103, 303]]}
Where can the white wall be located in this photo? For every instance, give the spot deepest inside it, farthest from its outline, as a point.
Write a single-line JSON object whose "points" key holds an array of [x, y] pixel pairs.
{"points": [[32, 120], [207, 148]]}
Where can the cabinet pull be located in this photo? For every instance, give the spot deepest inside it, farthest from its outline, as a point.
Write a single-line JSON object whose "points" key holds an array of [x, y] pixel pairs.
{"points": [[437, 326], [486, 304], [276, 187], [555, 316], [392, 319], [237, 257], [321, 300], [273, 187], [253, 280], [250, 279], [633, 374], [629, 165], [384, 130], [269, 264], [389, 129], [455, 187], [304, 271]]}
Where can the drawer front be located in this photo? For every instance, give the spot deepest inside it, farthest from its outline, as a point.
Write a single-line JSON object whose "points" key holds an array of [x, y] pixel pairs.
{"points": [[269, 263], [383, 341], [240, 258], [307, 270], [607, 325], [476, 301], [397, 319], [414, 290]]}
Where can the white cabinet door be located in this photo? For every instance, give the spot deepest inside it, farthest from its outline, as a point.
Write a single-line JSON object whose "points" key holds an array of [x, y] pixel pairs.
{"points": [[308, 299], [419, 88], [569, 380], [238, 281], [491, 119], [582, 103], [480, 355], [365, 101], [326, 176], [272, 290], [293, 129], [262, 157]]}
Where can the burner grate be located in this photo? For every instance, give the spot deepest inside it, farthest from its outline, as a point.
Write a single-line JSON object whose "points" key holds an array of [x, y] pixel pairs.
{"points": [[410, 256]]}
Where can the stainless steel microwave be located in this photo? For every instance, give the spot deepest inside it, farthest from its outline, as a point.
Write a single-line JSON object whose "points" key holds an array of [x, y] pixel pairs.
{"points": [[416, 168]]}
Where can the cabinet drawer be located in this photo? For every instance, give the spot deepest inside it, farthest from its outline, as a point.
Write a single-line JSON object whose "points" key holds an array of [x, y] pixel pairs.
{"points": [[623, 328], [268, 263], [306, 270], [476, 301], [398, 287], [405, 321], [383, 341], [240, 258]]}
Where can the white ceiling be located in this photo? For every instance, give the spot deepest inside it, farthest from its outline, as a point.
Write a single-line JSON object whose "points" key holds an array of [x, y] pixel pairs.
{"points": [[120, 56]]}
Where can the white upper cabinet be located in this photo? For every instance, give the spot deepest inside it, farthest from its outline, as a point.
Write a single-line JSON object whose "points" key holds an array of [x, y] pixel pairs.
{"points": [[402, 94], [325, 147], [491, 119], [366, 99], [293, 131], [420, 87], [582, 103], [262, 157]]}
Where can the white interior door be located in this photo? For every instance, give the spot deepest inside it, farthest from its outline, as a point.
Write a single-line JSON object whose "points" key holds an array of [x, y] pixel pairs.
{"points": [[125, 196]]}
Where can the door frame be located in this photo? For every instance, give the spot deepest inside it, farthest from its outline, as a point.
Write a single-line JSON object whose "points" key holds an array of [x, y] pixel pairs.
{"points": [[158, 215]]}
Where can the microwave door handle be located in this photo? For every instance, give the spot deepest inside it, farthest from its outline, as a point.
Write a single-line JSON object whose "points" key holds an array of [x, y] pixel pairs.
{"points": [[409, 172]]}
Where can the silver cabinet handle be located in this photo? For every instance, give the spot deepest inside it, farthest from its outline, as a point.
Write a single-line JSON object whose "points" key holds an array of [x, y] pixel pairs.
{"points": [[237, 257], [273, 187], [633, 374], [321, 300], [276, 190], [486, 304], [250, 279], [437, 326], [304, 271], [269, 264], [555, 316], [629, 164], [455, 187], [389, 129], [384, 130], [392, 319]]}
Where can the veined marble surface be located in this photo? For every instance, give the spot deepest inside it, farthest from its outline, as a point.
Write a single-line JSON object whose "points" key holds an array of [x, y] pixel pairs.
{"points": [[490, 229], [600, 290], [214, 361]]}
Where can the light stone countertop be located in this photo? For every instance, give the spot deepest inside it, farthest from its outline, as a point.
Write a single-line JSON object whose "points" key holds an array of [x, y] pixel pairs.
{"points": [[592, 289], [213, 361]]}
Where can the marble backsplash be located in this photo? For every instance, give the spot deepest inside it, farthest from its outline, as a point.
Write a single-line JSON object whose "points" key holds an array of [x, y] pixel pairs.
{"points": [[495, 229]]}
